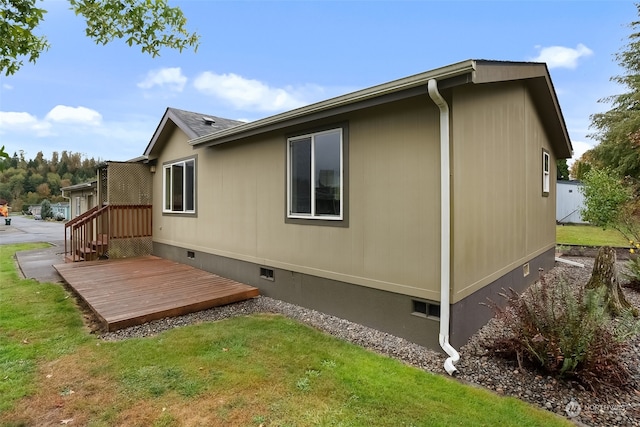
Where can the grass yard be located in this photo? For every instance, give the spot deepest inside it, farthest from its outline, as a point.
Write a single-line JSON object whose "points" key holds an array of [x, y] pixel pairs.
{"points": [[261, 370], [588, 235]]}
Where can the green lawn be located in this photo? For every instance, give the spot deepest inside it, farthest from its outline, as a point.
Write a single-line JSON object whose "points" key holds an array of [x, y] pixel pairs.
{"points": [[588, 235], [260, 370]]}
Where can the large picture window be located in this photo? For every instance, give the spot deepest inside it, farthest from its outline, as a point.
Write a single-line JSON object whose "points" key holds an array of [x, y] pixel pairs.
{"points": [[179, 186], [315, 182]]}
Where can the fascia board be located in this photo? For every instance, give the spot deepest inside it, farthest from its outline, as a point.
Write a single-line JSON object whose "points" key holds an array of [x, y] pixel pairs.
{"points": [[332, 106]]}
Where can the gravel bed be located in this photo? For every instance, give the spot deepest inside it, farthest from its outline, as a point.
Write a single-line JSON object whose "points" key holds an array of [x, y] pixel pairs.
{"points": [[608, 407]]}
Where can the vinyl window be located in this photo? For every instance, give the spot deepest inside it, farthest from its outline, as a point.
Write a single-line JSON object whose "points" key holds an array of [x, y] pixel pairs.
{"points": [[179, 186], [546, 175], [315, 181]]}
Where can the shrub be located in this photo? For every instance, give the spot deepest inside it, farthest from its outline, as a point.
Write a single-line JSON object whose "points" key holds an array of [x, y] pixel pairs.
{"points": [[45, 209], [564, 332]]}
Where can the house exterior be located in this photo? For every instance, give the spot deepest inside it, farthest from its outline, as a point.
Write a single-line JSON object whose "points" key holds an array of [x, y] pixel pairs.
{"points": [[82, 197], [35, 210], [569, 202], [402, 207], [61, 210], [58, 210]]}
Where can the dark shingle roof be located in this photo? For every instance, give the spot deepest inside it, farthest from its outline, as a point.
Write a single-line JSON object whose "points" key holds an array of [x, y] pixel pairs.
{"points": [[194, 125], [200, 124]]}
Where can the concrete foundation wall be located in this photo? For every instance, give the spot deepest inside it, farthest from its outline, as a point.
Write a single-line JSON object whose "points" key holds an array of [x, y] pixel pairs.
{"points": [[385, 311], [471, 313]]}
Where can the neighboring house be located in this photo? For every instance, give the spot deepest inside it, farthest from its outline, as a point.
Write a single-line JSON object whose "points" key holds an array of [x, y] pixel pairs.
{"points": [[82, 197], [569, 202], [402, 207], [61, 210], [35, 210]]}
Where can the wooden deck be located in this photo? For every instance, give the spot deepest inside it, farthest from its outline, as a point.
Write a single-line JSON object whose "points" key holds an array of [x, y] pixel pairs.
{"points": [[128, 292]]}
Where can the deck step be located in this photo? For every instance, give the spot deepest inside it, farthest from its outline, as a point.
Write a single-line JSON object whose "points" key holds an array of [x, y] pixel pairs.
{"points": [[88, 254], [73, 258], [99, 245]]}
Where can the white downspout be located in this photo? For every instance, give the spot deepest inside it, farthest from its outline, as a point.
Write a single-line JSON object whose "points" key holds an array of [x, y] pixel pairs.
{"points": [[445, 228]]}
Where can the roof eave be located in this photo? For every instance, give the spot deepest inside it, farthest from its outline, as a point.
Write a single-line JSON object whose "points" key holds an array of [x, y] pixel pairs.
{"points": [[344, 101], [470, 71]]}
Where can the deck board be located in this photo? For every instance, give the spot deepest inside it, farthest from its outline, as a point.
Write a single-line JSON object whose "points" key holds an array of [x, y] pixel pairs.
{"points": [[133, 291]]}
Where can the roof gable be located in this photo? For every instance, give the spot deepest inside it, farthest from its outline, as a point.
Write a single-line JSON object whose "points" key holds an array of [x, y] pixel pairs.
{"points": [[194, 125]]}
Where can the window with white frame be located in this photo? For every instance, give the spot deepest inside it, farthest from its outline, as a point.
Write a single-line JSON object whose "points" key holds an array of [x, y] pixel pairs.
{"points": [[179, 186], [315, 181], [546, 175]]}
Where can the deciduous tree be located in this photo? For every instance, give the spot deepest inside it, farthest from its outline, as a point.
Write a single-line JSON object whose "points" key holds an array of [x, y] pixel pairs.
{"points": [[149, 24], [608, 203]]}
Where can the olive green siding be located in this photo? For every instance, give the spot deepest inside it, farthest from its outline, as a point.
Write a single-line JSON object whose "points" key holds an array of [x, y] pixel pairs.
{"points": [[393, 219], [81, 200], [500, 217]]}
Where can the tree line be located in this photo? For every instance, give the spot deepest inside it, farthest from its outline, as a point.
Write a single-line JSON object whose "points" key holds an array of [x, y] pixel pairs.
{"points": [[25, 182]]}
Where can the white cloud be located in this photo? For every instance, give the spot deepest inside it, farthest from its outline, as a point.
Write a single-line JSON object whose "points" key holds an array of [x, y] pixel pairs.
{"points": [[169, 78], [562, 57], [7, 86], [83, 115], [11, 121], [107, 140], [254, 95]]}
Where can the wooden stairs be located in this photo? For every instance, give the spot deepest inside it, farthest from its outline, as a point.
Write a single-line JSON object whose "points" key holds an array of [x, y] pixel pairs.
{"points": [[91, 251], [87, 237]]}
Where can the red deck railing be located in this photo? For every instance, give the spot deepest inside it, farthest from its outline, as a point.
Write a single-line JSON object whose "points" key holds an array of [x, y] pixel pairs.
{"points": [[90, 233]]}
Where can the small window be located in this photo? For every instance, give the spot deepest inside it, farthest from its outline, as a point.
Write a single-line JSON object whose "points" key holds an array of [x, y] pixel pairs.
{"points": [[546, 159], [315, 179], [179, 186]]}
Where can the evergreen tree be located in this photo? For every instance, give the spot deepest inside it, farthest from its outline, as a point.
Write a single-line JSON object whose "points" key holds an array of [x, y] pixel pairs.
{"points": [[45, 209], [563, 170], [618, 130]]}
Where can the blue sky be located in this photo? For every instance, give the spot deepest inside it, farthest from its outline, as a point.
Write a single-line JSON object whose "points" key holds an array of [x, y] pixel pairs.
{"points": [[259, 58]]}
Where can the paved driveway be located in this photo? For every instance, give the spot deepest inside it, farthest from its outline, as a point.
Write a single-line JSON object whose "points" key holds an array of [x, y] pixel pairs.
{"points": [[27, 230], [36, 264]]}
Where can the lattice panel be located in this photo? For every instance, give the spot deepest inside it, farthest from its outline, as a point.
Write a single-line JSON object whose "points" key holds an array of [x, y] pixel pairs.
{"points": [[103, 176], [129, 184], [126, 248]]}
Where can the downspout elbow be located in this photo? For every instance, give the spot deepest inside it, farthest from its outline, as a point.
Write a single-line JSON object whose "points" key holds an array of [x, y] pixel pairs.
{"points": [[453, 354], [445, 229]]}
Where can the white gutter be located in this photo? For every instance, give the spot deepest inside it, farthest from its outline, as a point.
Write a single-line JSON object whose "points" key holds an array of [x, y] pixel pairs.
{"points": [[572, 263], [445, 229]]}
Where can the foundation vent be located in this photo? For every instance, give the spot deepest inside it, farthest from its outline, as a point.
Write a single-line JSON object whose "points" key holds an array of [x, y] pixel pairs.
{"points": [[266, 273], [426, 309]]}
